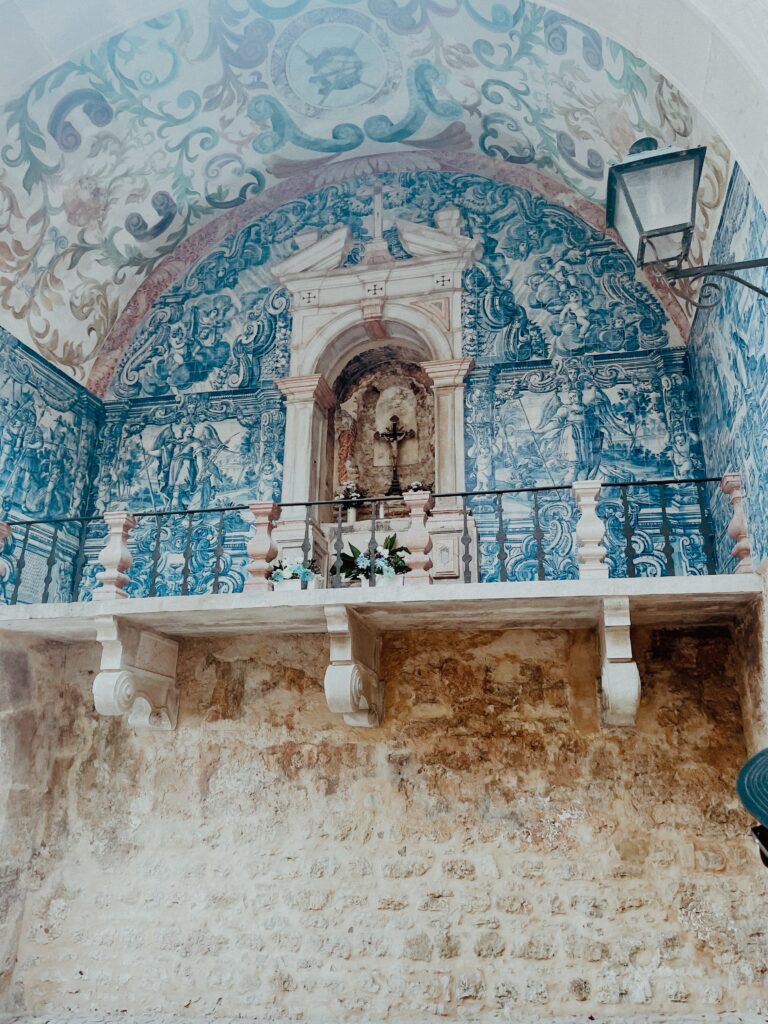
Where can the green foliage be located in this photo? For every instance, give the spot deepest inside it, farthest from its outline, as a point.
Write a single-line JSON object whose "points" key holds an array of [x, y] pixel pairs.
{"points": [[388, 560]]}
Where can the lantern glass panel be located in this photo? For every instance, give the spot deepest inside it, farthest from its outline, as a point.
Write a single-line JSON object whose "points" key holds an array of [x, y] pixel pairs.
{"points": [[663, 193], [624, 223]]}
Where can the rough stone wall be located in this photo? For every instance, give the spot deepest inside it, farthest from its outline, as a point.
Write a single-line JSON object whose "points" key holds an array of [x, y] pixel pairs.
{"points": [[36, 712], [751, 667], [488, 854]]}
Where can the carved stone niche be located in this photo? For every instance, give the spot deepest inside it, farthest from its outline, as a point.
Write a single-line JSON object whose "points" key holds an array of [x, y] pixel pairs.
{"points": [[137, 676], [371, 389]]}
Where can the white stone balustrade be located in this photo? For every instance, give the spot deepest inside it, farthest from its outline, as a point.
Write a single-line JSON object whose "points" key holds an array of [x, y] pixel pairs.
{"points": [[115, 556], [738, 530], [417, 537], [590, 531], [261, 548]]}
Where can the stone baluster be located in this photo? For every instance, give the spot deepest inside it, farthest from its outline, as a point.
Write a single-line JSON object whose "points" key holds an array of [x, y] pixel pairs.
{"points": [[115, 556], [590, 531], [261, 548], [417, 538], [737, 528]]}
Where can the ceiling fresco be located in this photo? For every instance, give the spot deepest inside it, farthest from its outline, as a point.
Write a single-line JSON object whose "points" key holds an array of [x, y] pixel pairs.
{"points": [[111, 161]]}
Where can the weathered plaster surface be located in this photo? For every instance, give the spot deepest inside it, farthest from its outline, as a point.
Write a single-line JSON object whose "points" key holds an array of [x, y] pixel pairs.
{"points": [[486, 854]]}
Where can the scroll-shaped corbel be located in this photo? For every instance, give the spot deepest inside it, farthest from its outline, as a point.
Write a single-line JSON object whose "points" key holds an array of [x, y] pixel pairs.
{"points": [[620, 676], [352, 684], [137, 677]]}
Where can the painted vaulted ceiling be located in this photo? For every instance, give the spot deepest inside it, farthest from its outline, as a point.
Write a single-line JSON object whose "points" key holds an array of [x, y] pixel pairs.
{"points": [[115, 165]]}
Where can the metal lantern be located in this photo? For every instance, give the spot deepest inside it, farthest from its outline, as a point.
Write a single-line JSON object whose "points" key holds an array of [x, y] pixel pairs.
{"points": [[652, 202]]}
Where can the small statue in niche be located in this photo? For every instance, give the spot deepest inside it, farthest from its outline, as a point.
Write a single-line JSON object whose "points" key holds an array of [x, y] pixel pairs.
{"points": [[394, 437], [347, 469]]}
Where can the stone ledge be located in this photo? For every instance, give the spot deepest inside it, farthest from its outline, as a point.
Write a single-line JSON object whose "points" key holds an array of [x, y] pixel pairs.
{"points": [[284, 1017], [556, 604]]}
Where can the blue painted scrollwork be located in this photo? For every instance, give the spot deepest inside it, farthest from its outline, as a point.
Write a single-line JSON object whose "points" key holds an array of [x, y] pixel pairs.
{"points": [[95, 107], [165, 207]]}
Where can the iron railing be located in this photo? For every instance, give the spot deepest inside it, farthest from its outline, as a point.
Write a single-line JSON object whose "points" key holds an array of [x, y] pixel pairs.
{"points": [[655, 527]]}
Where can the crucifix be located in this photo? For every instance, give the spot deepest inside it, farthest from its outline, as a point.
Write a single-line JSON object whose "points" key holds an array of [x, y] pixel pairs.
{"points": [[394, 437]]}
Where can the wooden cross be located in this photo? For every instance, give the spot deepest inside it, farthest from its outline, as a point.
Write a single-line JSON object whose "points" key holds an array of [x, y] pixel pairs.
{"points": [[394, 438]]}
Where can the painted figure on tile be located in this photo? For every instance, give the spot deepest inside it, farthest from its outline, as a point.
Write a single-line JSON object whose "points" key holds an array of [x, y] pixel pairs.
{"points": [[483, 453], [571, 431], [183, 468]]}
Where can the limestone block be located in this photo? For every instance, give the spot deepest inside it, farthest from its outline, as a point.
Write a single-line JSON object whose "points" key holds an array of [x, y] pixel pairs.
{"points": [[352, 684], [137, 675], [620, 676]]}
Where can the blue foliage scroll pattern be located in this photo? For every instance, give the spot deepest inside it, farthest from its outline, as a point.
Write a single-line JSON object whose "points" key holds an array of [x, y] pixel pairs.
{"points": [[204, 451], [576, 375], [620, 417], [546, 285], [650, 512], [729, 354], [553, 513], [48, 431]]}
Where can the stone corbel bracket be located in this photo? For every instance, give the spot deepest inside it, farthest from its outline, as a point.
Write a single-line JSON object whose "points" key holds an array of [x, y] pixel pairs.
{"points": [[137, 677], [620, 676], [353, 687]]}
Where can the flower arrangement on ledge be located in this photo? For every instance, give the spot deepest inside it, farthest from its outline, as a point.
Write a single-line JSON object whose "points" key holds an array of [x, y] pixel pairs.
{"points": [[294, 574], [388, 563], [350, 498], [351, 493]]}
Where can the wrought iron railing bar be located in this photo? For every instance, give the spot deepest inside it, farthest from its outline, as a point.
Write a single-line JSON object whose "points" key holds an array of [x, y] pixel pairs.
{"points": [[666, 533], [348, 503], [372, 553], [77, 572], [501, 538], [538, 537], [155, 559], [626, 529], [664, 482], [22, 561], [337, 547], [187, 555], [305, 544], [52, 522], [218, 552], [50, 563], [706, 531], [465, 541]]}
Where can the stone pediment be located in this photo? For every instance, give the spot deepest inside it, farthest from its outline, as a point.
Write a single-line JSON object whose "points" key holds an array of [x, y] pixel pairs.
{"points": [[446, 240], [325, 254], [321, 256]]}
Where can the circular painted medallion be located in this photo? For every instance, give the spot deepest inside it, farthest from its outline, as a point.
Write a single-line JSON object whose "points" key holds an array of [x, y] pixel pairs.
{"points": [[332, 59]]}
